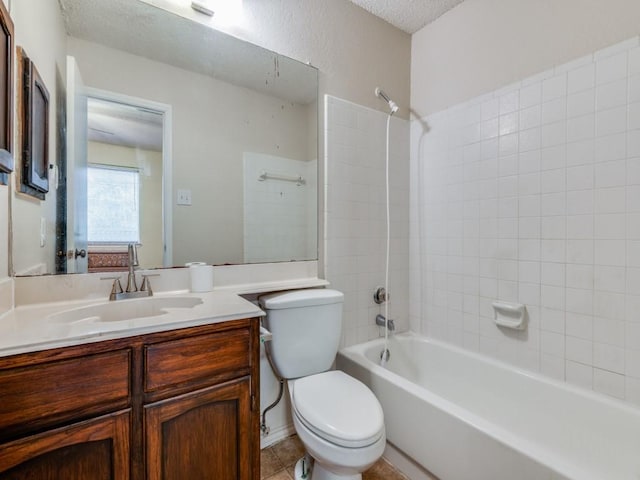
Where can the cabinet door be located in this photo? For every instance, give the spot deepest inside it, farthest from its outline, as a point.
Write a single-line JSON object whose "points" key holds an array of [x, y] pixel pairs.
{"points": [[96, 449], [201, 435]]}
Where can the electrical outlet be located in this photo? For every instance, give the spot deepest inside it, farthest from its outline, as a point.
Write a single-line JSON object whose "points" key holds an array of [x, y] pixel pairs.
{"points": [[184, 197]]}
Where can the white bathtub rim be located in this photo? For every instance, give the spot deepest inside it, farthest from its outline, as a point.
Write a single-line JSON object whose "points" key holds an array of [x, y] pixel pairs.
{"points": [[600, 397], [500, 435], [532, 450]]}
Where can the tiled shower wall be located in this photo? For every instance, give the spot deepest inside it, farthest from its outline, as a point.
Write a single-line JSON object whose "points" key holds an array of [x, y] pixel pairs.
{"points": [[355, 230], [531, 194]]}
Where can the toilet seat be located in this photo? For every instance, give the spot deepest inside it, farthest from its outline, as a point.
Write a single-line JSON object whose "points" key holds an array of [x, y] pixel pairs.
{"points": [[338, 408]]}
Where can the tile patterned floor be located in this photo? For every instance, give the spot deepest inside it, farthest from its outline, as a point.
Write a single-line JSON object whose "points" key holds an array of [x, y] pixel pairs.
{"points": [[277, 462]]}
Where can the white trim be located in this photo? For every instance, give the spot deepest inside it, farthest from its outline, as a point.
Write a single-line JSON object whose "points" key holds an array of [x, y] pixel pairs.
{"points": [[167, 151], [276, 435], [405, 465]]}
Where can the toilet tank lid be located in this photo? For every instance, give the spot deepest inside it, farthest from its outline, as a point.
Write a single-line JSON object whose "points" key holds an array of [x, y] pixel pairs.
{"points": [[301, 298]]}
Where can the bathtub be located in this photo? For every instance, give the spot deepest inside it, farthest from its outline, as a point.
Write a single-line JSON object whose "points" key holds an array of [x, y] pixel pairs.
{"points": [[462, 416]]}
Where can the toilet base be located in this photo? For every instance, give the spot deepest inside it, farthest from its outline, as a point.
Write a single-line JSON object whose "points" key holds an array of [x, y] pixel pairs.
{"points": [[308, 469], [319, 473]]}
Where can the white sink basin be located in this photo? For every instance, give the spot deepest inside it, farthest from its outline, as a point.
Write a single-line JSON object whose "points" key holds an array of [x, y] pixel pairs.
{"points": [[121, 310]]}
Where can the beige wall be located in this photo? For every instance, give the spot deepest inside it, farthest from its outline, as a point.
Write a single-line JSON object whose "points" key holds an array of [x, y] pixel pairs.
{"points": [[482, 45], [354, 50], [213, 124], [149, 163], [40, 31]]}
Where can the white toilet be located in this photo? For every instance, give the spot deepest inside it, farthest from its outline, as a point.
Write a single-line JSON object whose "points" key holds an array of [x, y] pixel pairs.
{"points": [[337, 418]]}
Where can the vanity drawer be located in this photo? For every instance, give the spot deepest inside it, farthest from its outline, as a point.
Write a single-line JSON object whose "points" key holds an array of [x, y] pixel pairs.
{"points": [[43, 394], [196, 359]]}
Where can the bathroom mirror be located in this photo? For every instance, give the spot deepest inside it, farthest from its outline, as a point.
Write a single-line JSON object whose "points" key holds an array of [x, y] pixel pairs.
{"points": [[239, 182]]}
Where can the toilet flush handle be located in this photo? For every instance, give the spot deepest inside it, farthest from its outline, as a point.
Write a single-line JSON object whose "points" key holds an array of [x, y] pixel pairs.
{"points": [[265, 335]]}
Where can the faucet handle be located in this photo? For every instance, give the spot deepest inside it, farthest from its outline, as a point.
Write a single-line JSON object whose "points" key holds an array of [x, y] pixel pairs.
{"points": [[115, 288], [146, 284]]}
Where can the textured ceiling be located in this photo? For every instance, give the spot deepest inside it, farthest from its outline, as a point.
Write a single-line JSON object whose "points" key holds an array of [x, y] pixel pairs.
{"points": [[407, 15]]}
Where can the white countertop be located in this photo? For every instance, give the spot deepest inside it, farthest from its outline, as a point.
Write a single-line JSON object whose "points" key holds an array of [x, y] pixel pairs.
{"points": [[32, 328]]}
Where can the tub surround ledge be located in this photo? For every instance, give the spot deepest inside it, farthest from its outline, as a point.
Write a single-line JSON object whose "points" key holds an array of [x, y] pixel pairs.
{"points": [[239, 279], [6, 295]]}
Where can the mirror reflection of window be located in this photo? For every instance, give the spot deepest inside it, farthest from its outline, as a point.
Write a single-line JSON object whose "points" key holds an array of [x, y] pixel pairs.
{"points": [[113, 205]]}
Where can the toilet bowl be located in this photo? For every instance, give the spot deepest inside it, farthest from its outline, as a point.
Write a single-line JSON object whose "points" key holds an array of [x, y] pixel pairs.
{"points": [[337, 418], [340, 423]]}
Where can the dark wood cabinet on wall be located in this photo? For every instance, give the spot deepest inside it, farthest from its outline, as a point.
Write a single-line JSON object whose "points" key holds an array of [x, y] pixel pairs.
{"points": [[170, 405]]}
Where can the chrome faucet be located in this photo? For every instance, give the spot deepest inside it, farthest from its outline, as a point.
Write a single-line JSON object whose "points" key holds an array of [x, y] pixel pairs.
{"points": [[132, 254], [132, 290], [380, 321]]}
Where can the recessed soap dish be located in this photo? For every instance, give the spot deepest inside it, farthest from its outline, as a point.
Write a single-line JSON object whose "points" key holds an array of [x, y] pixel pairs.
{"points": [[510, 315]]}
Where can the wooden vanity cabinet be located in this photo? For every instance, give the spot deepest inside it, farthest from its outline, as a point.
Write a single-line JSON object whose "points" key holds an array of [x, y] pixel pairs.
{"points": [[169, 405]]}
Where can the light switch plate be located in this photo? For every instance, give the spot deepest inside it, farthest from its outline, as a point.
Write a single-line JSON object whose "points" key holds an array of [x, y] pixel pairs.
{"points": [[184, 197], [43, 231]]}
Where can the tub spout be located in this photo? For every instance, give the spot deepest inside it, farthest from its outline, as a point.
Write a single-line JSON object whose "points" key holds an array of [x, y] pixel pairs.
{"points": [[380, 321]]}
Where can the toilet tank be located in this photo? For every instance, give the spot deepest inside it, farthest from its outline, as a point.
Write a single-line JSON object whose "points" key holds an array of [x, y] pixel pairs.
{"points": [[306, 327]]}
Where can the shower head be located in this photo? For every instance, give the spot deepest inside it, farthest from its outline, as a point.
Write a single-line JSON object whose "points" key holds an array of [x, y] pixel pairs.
{"points": [[392, 105]]}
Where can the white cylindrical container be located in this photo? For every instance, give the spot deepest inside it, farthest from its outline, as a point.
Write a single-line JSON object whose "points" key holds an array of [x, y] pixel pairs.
{"points": [[201, 276]]}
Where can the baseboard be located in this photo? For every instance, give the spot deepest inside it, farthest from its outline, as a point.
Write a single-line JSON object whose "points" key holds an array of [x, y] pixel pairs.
{"points": [[276, 435], [406, 465]]}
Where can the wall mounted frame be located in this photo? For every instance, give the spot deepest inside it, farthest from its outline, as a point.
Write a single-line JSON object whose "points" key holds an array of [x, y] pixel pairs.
{"points": [[6, 94], [35, 130]]}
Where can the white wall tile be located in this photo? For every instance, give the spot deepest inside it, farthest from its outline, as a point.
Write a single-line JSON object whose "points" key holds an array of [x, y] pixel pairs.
{"points": [[553, 250], [610, 252], [531, 117], [610, 147], [580, 251], [553, 204], [580, 128], [579, 350], [531, 95], [579, 301], [581, 103], [608, 331], [613, 94], [619, 47], [632, 363], [579, 374], [553, 227], [553, 134], [529, 139], [556, 110], [554, 87], [580, 276], [610, 226], [580, 226], [581, 78], [611, 68], [552, 181], [633, 87], [579, 325], [532, 194], [553, 274], [610, 279], [613, 120], [610, 200], [634, 61], [552, 158], [580, 152], [608, 383], [510, 102]]}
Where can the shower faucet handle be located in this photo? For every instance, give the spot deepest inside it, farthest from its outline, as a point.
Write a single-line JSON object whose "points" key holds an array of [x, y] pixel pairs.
{"points": [[380, 295]]}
